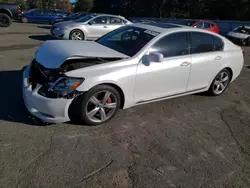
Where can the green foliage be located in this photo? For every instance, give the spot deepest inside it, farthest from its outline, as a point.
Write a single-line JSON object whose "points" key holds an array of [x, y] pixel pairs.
{"points": [[196, 9], [84, 5]]}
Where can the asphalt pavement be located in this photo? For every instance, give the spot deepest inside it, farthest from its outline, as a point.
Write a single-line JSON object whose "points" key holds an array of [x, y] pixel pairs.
{"points": [[188, 142]]}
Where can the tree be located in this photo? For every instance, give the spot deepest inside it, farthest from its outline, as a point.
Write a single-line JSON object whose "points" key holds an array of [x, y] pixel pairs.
{"points": [[84, 5]]}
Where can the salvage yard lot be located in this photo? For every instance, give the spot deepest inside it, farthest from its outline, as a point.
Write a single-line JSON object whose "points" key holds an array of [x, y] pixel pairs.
{"points": [[192, 141]]}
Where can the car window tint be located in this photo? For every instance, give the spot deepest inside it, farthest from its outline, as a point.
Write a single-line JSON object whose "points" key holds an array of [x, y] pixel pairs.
{"points": [[46, 13], [114, 20], [36, 12], [128, 39], [218, 44], [100, 20], [172, 45], [201, 42], [206, 25], [199, 25]]}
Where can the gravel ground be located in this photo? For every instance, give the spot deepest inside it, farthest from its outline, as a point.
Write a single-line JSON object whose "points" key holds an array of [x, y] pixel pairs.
{"points": [[192, 141]]}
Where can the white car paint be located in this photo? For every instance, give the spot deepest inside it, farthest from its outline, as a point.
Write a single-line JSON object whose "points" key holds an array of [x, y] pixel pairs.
{"points": [[175, 76], [59, 51]]}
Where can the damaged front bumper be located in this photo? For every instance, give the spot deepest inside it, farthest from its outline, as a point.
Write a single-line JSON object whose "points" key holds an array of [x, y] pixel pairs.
{"points": [[51, 110]]}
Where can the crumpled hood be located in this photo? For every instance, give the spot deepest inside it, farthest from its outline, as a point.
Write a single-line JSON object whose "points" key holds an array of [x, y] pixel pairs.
{"points": [[238, 35], [52, 54]]}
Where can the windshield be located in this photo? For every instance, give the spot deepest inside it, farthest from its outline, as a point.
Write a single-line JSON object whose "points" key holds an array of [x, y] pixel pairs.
{"points": [[85, 18], [128, 39]]}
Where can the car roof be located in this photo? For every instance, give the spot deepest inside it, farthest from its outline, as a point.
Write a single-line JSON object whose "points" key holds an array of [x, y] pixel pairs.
{"points": [[208, 21], [160, 27], [103, 14]]}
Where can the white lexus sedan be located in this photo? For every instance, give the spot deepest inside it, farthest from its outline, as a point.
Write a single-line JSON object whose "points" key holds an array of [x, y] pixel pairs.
{"points": [[136, 64]]}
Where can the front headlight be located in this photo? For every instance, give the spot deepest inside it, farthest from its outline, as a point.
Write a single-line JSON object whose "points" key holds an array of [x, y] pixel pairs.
{"points": [[66, 85]]}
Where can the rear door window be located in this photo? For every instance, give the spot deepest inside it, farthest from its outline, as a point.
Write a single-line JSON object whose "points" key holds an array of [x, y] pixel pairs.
{"points": [[203, 42], [100, 20], [115, 21]]}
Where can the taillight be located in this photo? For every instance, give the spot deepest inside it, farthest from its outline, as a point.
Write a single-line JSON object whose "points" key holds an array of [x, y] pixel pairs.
{"points": [[243, 53], [18, 9]]}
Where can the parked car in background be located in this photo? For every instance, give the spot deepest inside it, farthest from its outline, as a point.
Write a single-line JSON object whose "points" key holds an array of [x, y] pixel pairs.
{"points": [[207, 25], [132, 65], [240, 35], [89, 27], [41, 16], [60, 11], [73, 16], [186, 22], [8, 11]]}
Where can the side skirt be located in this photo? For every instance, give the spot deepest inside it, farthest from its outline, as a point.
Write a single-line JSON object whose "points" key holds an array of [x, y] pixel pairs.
{"points": [[172, 96]]}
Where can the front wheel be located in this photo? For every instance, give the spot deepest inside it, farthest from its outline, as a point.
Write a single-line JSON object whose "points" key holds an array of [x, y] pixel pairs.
{"points": [[220, 83], [76, 35], [5, 20], [97, 106]]}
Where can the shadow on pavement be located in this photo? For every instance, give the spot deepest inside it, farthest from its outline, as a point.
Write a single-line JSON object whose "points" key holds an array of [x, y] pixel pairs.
{"points": [[44, 27], [41, 37], [12, 106]]}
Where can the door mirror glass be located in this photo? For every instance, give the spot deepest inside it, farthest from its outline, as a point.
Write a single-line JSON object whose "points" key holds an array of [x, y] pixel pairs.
{"points": [[155, 57]]}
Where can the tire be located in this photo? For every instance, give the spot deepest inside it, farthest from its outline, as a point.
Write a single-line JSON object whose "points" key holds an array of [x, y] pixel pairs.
{"points": [[87, 110], [25, 20], [76, 34], [220, 83], [5, 20]]}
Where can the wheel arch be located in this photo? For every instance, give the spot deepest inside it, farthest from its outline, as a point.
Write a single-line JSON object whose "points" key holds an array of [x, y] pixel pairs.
{"points": [[231, 72], [6, 11]]}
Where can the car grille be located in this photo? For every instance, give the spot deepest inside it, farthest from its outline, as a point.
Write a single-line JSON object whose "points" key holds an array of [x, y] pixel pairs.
{"points": [[42, 75]]}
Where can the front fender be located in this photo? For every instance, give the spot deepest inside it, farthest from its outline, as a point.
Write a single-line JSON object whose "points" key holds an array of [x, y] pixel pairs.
{"points": [[6, 11]]}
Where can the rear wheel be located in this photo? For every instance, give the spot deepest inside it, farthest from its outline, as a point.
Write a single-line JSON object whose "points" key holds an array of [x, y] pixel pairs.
{"points": [[220, 83], [5, 20], [97, 106], [76, 35]]}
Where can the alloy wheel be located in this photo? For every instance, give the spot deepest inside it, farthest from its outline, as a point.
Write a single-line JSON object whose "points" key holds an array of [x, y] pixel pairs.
{"points": [[221, 82], [76, 35], [101, 106]]}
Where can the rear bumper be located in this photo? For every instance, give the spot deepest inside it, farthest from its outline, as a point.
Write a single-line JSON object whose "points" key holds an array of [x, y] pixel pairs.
{"points": [[46, 109]]}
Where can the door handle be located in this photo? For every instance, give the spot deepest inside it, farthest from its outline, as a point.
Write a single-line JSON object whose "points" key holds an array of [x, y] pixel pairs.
{"points": [[218, 58], [105, 26], [184, 64]]}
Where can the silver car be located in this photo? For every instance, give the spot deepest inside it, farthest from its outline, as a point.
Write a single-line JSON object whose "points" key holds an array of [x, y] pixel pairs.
{"points": [[89, 27]]}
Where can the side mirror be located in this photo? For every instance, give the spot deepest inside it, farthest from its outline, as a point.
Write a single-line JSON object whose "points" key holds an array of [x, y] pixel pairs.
{"points": [[195, 26], [90, 23], [155, 57]]}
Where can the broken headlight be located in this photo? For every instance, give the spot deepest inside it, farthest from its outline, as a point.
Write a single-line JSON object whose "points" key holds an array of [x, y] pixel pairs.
{"points": [[65, 85]]}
